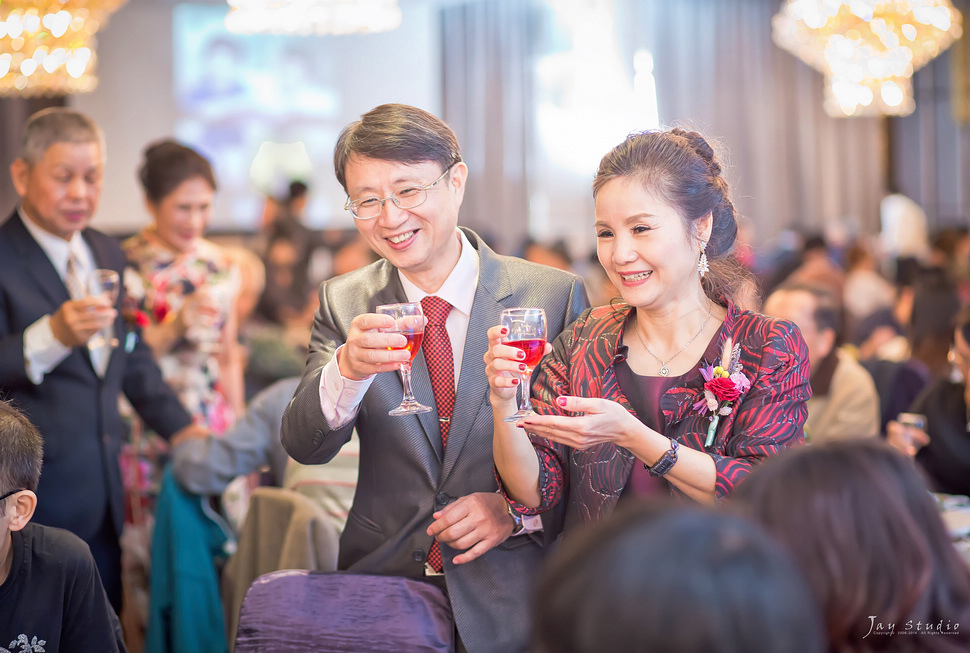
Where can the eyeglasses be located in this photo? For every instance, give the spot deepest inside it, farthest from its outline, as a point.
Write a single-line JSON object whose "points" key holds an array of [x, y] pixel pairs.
{"points": [[410, 197], [10, 493]]}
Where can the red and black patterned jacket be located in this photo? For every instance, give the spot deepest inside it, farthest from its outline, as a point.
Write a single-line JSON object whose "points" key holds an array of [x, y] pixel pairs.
{"points": [[768, 419]]}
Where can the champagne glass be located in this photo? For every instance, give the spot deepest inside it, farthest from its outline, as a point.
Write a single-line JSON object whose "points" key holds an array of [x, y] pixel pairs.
{"points": [[409, 321], [527, 333], [216, 296], [106, 284]]}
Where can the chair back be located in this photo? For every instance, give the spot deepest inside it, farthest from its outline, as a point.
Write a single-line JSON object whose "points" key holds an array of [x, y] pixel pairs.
{"points": [[283, 530], [343, 612]]}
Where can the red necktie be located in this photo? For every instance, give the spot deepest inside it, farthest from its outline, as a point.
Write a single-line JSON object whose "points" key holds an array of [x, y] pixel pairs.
{"points": [[441, 370]]}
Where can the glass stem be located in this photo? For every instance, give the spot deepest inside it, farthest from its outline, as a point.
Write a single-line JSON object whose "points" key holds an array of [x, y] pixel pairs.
{"points": [[525, 383], [406, 379]]}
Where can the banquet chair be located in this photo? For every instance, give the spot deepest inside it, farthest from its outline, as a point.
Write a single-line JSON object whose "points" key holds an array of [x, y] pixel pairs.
{"points": [[283, 529], [299, 610]]}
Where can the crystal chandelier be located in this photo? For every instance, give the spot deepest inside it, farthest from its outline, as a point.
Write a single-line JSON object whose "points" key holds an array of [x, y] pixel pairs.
{"points": [[867, 49], [47, 46], [305, 17]]}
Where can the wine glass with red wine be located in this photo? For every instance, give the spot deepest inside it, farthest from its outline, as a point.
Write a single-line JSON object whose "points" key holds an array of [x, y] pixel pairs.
{"points": [[527, 333], [409, 321]]}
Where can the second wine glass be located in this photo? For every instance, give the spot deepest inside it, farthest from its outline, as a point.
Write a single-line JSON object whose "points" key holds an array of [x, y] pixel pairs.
{"points": [[409, 321], [527, 333], [104, 283]]}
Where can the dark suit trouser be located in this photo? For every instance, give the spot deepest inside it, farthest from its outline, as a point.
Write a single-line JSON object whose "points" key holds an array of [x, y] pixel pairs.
{"points": [[106, 549]]}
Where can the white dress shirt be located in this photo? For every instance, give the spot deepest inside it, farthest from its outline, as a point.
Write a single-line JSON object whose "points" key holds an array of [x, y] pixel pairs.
{"points": [[42, 351]]}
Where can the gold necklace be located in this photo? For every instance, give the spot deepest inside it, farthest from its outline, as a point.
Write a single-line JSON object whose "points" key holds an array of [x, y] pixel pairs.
{"points": [[664, 370]]}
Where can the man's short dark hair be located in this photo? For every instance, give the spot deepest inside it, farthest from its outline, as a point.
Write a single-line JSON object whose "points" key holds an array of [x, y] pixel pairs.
{"points": [[396, 132], [21, 452]]}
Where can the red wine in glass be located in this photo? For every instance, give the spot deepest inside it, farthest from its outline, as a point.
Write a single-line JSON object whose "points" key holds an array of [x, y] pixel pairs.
{"points": [[409, 322], [413, 344], [533, 349], [526, 332]]}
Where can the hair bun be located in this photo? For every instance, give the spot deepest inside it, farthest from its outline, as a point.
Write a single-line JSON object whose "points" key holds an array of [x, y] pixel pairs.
{"points": [[700, 145]]}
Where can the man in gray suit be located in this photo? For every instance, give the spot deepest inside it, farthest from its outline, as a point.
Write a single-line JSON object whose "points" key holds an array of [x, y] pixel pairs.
{"points": [[410, 485]]}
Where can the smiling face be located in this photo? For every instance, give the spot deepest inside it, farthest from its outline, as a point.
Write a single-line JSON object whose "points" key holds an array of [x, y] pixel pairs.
{"points": [[644, 246], [421, 242], [183, 215], [60, 192]]}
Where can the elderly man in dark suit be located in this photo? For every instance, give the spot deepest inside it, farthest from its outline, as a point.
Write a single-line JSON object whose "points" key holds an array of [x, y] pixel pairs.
{"points": [[426, 503], [50, 366]]}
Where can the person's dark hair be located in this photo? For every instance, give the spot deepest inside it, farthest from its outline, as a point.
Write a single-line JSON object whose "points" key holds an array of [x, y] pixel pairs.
{"points": [[167, 164], [665, 578], [21, 452], [297, 189], [680, 167], [869, 538], [936, 302], [396, 132], [828, 307]]}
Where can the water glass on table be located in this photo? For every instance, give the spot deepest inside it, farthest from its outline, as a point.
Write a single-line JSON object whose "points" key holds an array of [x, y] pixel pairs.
{"points": [[527, 333], [409, 321]]}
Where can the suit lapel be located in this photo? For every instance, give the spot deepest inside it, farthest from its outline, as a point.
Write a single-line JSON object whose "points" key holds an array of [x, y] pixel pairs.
{"points": [[471, 398], [36, 263]]}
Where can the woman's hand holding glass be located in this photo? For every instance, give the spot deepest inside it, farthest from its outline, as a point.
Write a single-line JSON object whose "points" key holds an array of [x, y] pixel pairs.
{"points": [[593, 421], [525, 330]]}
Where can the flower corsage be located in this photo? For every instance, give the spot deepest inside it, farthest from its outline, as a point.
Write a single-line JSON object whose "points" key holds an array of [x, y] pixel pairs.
{"points": [[723, 385]]}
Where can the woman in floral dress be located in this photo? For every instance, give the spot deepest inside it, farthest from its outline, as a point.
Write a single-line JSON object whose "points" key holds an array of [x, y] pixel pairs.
{"points": [[184, 286]]}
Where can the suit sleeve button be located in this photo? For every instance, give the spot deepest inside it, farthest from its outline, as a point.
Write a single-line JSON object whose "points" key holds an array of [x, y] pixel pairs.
{"points": [[418, 555]]}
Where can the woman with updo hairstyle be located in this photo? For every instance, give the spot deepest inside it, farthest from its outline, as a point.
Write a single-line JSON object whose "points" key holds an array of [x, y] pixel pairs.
{"points": [[183, 287], [673, 388]]}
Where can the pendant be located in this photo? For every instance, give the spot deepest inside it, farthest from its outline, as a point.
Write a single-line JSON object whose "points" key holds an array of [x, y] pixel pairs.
{"points": [[664, 370]]}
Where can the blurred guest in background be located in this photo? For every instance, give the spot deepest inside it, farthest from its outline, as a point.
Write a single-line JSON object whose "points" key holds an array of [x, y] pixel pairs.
{"points": [[208, 465], [555, 255], [186, 286], [717, 572], [48, 365], [870, 541], [844, 401], [942, 445]]}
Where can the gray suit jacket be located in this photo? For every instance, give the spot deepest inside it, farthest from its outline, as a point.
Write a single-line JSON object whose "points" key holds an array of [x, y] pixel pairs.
{"points": [[403, 476]]}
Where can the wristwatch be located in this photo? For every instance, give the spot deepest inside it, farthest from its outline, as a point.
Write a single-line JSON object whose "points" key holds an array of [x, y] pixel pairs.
{"points": [[516, 518], [668, 460]]}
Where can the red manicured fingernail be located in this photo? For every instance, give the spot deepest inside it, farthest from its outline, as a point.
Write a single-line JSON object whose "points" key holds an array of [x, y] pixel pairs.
{"points": [[515, 382], [561, 401], [504, 331], [522, 367], [520, 354]]}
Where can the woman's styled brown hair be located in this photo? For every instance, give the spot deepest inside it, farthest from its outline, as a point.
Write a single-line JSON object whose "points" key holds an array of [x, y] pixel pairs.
{"points": [[869, 538], [681, 168], [167, 164]]}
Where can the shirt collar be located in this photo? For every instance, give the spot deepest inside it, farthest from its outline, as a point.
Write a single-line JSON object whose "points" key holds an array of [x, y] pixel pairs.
{"points": [[460, 286], [57, 249]]}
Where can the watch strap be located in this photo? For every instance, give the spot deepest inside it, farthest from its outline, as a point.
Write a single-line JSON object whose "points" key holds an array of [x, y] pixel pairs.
{"points": [[666, 462]]}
